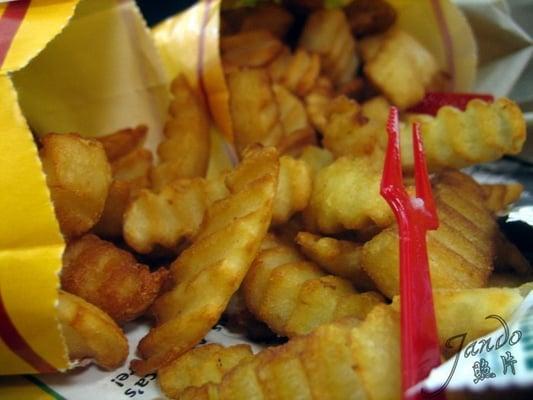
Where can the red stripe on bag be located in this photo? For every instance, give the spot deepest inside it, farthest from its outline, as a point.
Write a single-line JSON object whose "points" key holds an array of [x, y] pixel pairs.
{"points": [[9, 24], [12, 339]]}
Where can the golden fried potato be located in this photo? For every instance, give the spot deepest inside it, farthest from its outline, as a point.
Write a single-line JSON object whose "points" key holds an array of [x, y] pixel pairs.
{"points": [[500, 196], [78, 175], [298, 72], [317, 102], [253, 48], [184, 152], [254, 109], [328, 34], [201, 365], [342, 360], [175, 213], [466, 311], [215, 263], [346, 195], [90, 333], [354, 129], [460, 251], [110, 278], [338, 257], [293, 296], [367, 17], [270, 17], [296, 127], [294, 189], [124, 141], [456, 139], [131, 173], [397, 64], [316, 158]]}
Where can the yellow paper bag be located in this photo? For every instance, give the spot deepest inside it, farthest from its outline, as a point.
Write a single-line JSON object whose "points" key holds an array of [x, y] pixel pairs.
{"points": [[86, 66]]}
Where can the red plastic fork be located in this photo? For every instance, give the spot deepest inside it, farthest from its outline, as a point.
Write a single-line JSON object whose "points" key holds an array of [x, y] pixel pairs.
{"points": [[415, 216]]}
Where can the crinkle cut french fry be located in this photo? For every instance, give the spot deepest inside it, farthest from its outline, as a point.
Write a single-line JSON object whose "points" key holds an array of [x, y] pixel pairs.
{"points": [[78, 176], [293, 117], [110, 278], [338, 257], [90, 333], [124, 141], [460, 251], [346, 196], [215, 263], [293, 191], [255, 48], [397, 64], [354, 129], [131, 173], [328, 34], [184, 151], [317, 102], [171, 215], [456, 139], [201, 365], [336, 361], [254, 110], [316, 158], [298, 72], [499, 196], [293, 296], [350, 359]]}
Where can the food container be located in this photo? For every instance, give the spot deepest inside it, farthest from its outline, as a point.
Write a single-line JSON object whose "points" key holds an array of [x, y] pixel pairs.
{"points": [[92, 66]]}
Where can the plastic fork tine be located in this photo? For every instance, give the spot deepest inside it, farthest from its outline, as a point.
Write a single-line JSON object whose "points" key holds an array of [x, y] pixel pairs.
{"points": [[419, 340], [392, 180], [423, 186]]}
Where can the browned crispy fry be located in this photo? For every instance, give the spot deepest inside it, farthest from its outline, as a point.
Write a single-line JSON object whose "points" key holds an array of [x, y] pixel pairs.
{"points": [[499, 196], [124, 141], [346, 195], [184, 152], [110, 278], [317, 102], [294, 296], [90, 333], [254, 110], [205, 364], [456, 139], [131, 173], [298, 72], [296, 127], [338, 257], [78, 175], [271, 17], [399, 66], [368, 17], [460, 251], [328, 34], [215, 263], [173, 214], [293, 191], [253, 48]]}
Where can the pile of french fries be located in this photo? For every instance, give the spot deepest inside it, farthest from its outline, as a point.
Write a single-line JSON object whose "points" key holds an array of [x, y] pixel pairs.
{"points": [[295, 240]]}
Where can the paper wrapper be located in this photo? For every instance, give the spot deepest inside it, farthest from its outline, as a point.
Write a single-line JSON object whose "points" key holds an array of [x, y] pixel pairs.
{"points": [[187, 43], [68, 66]]}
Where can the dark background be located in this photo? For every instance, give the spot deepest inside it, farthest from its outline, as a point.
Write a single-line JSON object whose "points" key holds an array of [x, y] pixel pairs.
{"points": [[156, 10]]}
